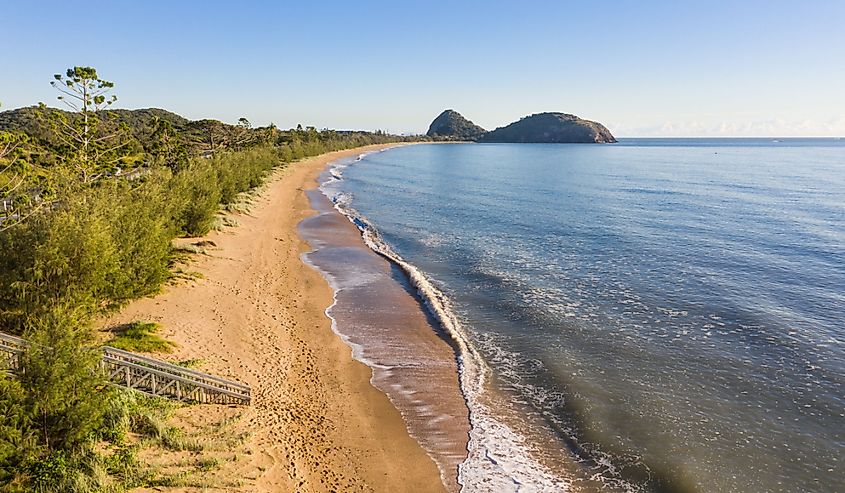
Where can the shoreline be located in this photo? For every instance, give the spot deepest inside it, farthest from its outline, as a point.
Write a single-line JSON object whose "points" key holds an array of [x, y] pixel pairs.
{"points": [[257, 314], [505, 447], [380, 314]]}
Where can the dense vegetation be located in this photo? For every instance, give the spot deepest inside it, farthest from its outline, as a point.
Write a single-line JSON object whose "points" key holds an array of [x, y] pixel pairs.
{"points": [[90, 200]]}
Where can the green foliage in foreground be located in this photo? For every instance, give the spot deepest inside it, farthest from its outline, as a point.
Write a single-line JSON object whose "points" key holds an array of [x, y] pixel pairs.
{"points": [[141, 337], [98, 248], [55, 411], [104, 459], [63, 428]]}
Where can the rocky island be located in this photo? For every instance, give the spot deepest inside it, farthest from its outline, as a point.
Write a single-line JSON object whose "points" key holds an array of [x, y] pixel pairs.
{"points": [[557, 128], [451, 125], [552, 128]]}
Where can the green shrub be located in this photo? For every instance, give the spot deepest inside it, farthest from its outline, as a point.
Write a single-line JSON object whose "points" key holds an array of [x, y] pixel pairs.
{"points": [[50, 416], [141, 336], [64, 391], [141, 231], [48, 473], [18, 440], [198, 198]]}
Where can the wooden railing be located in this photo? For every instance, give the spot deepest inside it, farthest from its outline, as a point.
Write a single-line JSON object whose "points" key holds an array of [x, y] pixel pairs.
{"points": [[148, 375], [11, 348]]}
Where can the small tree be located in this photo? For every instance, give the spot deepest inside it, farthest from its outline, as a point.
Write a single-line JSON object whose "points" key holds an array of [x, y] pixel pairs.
{"points": [[18, 176], [214, 135], [13, 173], [51, 416], [65, 391], [166, 147], [241, 135]]}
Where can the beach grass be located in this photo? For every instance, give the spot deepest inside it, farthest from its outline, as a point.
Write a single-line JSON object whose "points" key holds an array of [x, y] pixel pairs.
{"points": [[141, 337]]}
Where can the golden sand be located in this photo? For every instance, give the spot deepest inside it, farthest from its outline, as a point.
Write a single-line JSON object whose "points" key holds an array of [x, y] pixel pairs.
{"points": [[257, 315]]}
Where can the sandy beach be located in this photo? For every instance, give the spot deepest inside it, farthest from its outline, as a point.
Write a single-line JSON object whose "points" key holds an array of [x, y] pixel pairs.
{"points": [[257, 314]]}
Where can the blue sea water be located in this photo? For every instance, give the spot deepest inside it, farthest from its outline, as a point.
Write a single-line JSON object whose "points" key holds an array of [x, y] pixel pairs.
{"points": [[672, 311]]}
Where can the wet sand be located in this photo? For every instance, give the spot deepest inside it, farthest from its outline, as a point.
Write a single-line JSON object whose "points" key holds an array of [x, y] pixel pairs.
{"points": [[378, 313], [257, 315]]}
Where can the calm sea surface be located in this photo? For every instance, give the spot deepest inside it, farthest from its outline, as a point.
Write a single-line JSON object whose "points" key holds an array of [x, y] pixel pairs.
{"points": [[670, 312]]}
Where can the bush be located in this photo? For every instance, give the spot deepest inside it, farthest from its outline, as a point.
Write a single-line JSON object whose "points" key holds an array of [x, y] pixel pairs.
{"points": [[17, 433], [142, 337], [50, 417], [99, 248], [196, 199], [141, 229], [65, 393]]}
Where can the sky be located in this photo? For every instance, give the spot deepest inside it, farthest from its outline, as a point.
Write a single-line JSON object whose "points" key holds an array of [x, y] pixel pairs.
{"points": [[643, 68]]}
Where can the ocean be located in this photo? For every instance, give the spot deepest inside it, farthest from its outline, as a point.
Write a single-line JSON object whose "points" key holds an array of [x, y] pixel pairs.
{"points": [[657, 315]]}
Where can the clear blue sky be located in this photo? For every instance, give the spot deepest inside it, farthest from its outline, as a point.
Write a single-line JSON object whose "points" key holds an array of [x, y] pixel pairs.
{"points": [[675, 68]]}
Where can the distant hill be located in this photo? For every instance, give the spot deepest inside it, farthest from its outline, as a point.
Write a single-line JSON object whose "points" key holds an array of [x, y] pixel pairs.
{"points": [[144, 117], [452, 125], [198, 135], [20, 119], [25, 120], [556, 128], [552, 128]]}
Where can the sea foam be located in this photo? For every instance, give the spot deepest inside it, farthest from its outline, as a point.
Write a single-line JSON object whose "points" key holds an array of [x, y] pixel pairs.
{"points": [[498, 457]]}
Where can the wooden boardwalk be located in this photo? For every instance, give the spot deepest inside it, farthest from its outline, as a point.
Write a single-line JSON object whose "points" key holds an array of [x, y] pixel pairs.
{"points": [[11, 348], [148, 375]]}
